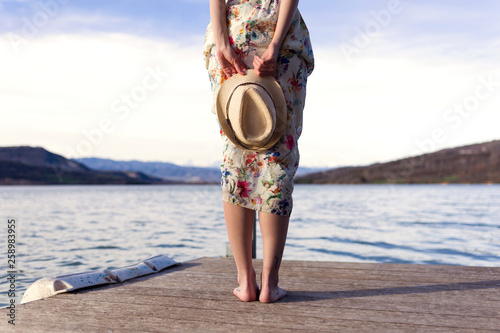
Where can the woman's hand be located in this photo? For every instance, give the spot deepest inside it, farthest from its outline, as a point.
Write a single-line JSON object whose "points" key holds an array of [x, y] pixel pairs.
{"points": [[267, 64], [230, 62]]}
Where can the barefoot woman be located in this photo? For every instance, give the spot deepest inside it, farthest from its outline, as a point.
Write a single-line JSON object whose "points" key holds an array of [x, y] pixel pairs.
{"points": [[270, 37]]}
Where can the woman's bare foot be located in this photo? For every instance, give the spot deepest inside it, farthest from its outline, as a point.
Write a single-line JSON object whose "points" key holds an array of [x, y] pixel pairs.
{"points": [[271, 295], [247, 293], [248, 290], [270, 292]]}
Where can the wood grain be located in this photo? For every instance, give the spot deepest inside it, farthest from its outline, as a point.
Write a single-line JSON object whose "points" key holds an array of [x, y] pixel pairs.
{"points": [[323, 296]]}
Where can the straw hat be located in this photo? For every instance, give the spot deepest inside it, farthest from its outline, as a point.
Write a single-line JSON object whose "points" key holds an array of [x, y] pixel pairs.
{"points": [[252, 110]]}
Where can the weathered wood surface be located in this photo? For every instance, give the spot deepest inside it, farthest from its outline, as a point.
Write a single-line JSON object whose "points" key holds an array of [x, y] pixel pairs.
{"points": [[323, 296]]}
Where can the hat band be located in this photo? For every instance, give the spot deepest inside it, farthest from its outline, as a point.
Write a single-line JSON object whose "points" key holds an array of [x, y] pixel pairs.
{"points": [[227, 112]]}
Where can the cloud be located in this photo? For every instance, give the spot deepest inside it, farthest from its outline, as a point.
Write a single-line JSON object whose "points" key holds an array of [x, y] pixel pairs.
{"points": [[60, 86], [59, 89], [67, 84], [382, 105]]}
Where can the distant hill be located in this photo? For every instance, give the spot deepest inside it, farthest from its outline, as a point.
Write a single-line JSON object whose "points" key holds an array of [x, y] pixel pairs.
{"points": [[162, 170], [166, 170], [477, 163], [301, 171], [37, 156], [37, 166]]}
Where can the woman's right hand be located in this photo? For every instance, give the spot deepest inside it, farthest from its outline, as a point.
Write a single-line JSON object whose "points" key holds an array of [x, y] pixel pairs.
{"points": [[230, 62], [266, 65]]}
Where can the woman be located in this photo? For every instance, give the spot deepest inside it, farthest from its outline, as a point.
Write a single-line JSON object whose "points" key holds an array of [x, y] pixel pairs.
{"points": [[270, 37]]}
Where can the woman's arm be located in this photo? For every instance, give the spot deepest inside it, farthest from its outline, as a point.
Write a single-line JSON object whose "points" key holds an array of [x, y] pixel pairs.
{"points": [[230, 62], [286, 12], [267, 64]]}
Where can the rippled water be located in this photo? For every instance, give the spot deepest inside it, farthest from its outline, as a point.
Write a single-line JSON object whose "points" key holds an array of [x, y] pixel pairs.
{"points": [[71, 229]]}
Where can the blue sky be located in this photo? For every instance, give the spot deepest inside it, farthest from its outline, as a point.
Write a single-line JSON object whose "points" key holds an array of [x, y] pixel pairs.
{"points": [[392, 79]]}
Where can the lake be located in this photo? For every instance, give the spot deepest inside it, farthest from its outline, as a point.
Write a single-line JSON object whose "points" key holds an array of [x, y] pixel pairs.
{"points": [[72, 229]]}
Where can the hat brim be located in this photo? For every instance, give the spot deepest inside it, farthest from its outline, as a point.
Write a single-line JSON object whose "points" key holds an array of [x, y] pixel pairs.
{"points": [[274, 89]]}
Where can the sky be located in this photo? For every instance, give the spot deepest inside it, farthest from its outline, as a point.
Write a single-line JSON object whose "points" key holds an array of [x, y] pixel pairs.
{"points": [[126, 79]]}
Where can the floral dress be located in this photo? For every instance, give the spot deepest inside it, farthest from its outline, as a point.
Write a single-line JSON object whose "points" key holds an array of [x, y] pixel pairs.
{"points": [[263, 181]]}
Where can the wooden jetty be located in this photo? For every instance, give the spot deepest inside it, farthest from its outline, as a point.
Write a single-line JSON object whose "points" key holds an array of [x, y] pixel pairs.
{"points": [[323, 296]]}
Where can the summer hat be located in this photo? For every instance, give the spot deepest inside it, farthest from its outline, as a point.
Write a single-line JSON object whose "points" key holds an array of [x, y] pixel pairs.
{"points": [[252, 110]]}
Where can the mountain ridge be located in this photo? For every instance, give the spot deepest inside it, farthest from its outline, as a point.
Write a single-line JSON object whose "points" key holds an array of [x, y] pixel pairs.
{"points": [[166, 170], [26, 165], [474, 163]]}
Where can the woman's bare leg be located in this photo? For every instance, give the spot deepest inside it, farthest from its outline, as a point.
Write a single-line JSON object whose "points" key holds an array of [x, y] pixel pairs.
{"points": [[239, 225], [274, 229]]}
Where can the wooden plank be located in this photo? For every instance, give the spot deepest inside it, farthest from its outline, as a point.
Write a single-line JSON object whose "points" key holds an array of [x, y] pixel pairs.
{"points": [[445, 305], [126, 316], [385, 312], [323, 296], [399, 272]]}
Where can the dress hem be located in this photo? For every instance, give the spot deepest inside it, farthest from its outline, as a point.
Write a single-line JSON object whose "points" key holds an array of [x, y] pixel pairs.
{"points": [[253, 207]]}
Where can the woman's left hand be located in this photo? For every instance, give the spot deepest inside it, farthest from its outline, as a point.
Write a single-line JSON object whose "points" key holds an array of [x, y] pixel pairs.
{"points": [[266, 65]]}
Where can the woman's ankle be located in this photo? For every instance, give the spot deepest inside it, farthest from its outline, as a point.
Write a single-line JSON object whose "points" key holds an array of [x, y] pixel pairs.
{"points": [[269, 279], [247, 277]]}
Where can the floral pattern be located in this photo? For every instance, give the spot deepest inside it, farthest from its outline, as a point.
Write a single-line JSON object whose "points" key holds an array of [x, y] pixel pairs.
{"points": [[263, 181]]}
